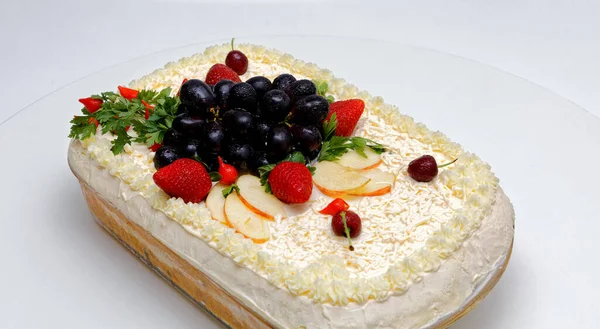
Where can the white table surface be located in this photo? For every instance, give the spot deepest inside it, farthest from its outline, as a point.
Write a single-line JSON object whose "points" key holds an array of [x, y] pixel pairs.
{"points": [[47, 45]]}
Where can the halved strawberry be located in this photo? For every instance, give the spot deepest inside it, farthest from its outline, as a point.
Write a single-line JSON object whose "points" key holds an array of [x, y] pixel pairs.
{"points": [[184, 178], [348, 113], [220, 72], [291, 182]]}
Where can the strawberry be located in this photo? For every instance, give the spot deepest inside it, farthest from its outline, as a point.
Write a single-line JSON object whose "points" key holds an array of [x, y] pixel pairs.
{"points": [[184, 178], [182, 82], [348, 113], [91, 104], [335, 207], [228, 173], [291, 182], [220, 72]]}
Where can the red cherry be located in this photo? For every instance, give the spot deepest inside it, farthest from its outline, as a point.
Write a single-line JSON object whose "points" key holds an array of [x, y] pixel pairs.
{"points": [[236, 60], [425, 168], [346, 223], [335, 207]]}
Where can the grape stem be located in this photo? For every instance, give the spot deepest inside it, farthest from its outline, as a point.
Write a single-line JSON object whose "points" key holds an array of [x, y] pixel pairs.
{"points": [[347, 230], [447, 164]]}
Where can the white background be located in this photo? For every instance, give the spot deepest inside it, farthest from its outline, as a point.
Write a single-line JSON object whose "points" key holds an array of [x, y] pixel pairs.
{"points": [[46, 45]]}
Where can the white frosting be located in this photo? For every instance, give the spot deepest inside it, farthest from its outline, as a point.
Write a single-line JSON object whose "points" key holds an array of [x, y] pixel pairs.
{"points": [[436, 295], [407, 235]]}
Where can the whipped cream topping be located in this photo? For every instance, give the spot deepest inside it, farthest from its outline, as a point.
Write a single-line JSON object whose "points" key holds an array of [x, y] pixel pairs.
{"points": [[406, 233]]}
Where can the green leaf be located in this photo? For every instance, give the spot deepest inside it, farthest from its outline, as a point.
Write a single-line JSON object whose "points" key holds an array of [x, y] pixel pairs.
{"points": [[337, 146], [119, 143], [295, 157], [322, 88], [215, 176], [230, 190], [117, 113], [329, 127], [312, 169], [264, 172]]}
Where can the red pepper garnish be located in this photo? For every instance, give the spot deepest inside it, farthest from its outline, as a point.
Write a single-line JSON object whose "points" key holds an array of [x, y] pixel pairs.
{"points": [[148, 108], [228, 173], [335, 207], [182, 82], [128, 93], [91, 104], [94, 121], [155, 147]]}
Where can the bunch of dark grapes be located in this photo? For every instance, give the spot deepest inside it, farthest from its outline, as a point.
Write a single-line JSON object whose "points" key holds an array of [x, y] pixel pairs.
{"points": [[249, 124]]}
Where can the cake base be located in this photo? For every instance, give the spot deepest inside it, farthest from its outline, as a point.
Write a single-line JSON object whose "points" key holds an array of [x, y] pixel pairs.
{"points": [[200, 289]]}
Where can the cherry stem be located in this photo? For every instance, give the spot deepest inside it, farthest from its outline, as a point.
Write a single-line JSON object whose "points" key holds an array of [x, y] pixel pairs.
{"points": [[447, 164], [232, 43], [347, 230]]}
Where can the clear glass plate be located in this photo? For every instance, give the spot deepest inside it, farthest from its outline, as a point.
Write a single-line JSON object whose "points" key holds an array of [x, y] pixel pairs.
{"points": [[60, 266]]}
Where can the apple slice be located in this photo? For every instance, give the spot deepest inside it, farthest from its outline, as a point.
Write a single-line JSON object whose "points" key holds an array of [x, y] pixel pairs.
{"points": [[215, 202], [244, 220], [253, 195], [335, 180], [380, 184], [355, 161]]}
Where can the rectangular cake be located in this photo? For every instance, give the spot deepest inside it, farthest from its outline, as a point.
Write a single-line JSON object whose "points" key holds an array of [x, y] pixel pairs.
{"points": [[387, 238]]}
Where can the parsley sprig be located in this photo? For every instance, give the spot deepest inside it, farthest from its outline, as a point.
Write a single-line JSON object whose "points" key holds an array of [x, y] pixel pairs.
{"points": [[322, 88], [335, 146], [117, 114]]}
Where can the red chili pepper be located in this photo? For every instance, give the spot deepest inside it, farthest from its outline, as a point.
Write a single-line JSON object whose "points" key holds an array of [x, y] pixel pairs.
{"points": [[228, 173], [148, 108], [182, 82], [335, 207], [155, 147], [91, 104], [128, 93], [94, 121]]}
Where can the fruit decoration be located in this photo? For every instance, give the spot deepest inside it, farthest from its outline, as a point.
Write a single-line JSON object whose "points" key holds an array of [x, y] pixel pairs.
{"points": [[220, 72], [271, 128], [228, 173], [283, 81], [261, 84], [346, 223], [335, 207], [182, 82], [425, 168], [347, 112], [184, 178], [236, 60], [291, 182]]}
